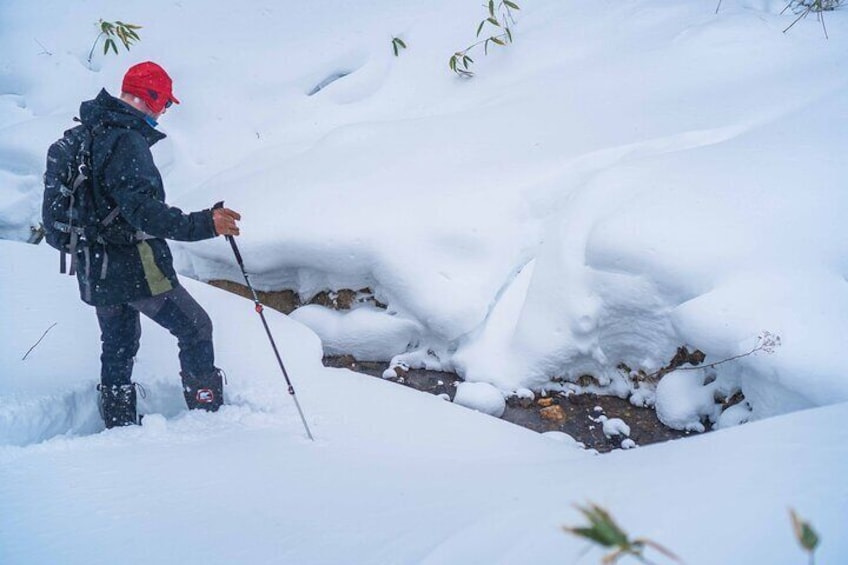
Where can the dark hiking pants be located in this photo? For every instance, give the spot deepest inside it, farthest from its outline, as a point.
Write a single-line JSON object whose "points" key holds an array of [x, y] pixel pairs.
{"points": [[177, 312]]}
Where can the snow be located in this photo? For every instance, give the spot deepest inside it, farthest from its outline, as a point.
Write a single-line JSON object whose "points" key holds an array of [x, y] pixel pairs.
{"points": [[482, 397], [625, 179], [365, 332], [613, 426]]}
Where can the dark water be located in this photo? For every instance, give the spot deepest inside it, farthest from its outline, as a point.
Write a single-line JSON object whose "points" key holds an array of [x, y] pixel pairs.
{"points": [[578, 411]]}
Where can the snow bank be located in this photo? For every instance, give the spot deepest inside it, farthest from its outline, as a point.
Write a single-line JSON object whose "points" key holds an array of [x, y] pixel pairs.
{"points": [[482, 397]]}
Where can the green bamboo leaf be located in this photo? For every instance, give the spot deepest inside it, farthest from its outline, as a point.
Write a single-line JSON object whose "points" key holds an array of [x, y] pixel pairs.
{"points": [[395, 48], [486, 46], [465, 61], [804, 532], [469, 59], [480, 27], [496, 40], [509, 34], [809, 539], [400, 42], [132, 26], [453, 63], [512, 5], [494, 21], [589, 533], [492, 8]]}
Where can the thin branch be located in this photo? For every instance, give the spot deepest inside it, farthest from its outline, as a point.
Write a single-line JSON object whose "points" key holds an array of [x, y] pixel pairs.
{"points": [[821, 15], [93, 45], [766, 342], [798, 19], [39, 341], [45, 50]]}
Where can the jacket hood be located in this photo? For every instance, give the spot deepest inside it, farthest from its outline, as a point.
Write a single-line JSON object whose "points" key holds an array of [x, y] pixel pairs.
{"points": [[108, 111]]}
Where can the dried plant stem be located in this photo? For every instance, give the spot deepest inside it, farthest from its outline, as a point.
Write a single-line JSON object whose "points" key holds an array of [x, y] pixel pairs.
{"points": [[37, 342]]}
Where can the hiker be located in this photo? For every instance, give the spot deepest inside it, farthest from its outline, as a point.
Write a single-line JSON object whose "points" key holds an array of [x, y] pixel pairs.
{"points": [[123, 280]]}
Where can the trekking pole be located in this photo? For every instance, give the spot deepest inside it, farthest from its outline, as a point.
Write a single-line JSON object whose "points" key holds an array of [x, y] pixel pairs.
{"points": [[259, 310]]}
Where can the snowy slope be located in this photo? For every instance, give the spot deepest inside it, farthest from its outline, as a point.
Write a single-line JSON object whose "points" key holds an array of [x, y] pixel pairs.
{"points": [[627, 177], [394, 476], [670, 176]]}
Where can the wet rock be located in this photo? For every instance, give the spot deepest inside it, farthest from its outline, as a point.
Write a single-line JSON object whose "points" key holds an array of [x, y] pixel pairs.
{"points": [[285, 301], [587, 381], [337, 300], [553, 413], [396, 372], [521, 398]]}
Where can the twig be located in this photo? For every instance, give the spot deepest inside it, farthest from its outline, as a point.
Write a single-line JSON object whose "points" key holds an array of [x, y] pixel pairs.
{"points": [[798, 19], [39, 341], [93, 45], [821, 15], [765, 342], [45, 50]]}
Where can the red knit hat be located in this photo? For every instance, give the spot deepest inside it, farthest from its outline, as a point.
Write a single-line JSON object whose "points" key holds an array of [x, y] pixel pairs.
{"points": [[151, 83]]}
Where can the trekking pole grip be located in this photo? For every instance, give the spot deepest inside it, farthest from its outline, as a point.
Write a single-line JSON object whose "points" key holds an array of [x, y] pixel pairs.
{"points": [[230, 238]]}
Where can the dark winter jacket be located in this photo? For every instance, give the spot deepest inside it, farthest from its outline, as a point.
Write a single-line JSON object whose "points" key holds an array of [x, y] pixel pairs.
{"points": [[125, 176]]}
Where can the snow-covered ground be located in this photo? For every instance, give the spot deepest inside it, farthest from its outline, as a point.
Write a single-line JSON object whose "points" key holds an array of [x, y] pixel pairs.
{"points": [[394, 476], [626, 178]]}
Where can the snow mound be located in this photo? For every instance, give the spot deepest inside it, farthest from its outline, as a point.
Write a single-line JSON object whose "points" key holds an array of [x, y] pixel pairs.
{"points": [[482, 397], [367, 333]]}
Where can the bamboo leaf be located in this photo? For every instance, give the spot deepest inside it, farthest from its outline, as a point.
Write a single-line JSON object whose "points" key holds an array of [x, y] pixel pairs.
{"points": [[400, 42], [509, 34], [512, 5], [480, 27], [114, 48], [498, 41], [494, 21], [492, 8], [589, 533], [453, 63], [486, 46], [805, 534], [395, 48]]}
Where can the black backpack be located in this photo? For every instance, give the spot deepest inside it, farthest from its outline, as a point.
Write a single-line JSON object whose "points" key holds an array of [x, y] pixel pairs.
{"points": [[69, 209]]}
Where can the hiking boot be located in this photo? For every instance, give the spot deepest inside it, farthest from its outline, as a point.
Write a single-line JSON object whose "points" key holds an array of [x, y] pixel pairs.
{"points": [[204, 393], [118, 405]]}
